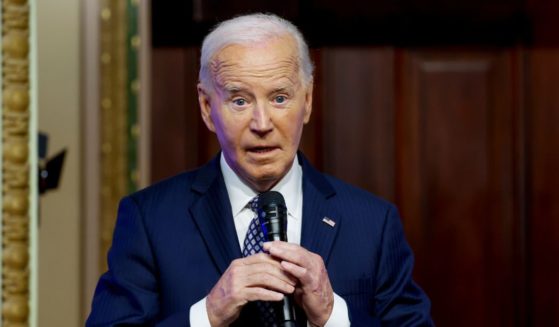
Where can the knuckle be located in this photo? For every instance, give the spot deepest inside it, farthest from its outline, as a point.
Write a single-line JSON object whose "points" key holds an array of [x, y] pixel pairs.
{"points": [[288, 288], [263, 256], [235, 271], [317, 258]]}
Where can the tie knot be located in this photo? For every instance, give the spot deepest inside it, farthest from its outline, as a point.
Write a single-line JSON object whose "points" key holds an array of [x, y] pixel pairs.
{"points": [[253, 204]]}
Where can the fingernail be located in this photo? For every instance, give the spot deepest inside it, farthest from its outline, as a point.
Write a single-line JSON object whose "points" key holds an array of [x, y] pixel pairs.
{"points": [[266, 246]]}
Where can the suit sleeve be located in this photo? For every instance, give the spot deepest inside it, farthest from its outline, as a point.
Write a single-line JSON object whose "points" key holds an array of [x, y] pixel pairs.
{"points": [[127, 294], [398, 300]]}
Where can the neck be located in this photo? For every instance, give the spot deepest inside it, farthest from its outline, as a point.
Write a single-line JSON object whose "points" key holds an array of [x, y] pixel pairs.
{"points": [[263, 186]]}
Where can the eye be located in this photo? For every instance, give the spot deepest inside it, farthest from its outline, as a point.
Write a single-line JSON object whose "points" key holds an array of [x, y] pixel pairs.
{"points": [[280, 99], [239, 102]]}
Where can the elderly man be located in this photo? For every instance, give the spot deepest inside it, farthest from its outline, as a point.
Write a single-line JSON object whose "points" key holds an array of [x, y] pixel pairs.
{"points": [[179, 255]]}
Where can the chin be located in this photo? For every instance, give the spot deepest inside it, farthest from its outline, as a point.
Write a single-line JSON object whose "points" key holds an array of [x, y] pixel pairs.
{"points": [[266, 177], [265, 180]]}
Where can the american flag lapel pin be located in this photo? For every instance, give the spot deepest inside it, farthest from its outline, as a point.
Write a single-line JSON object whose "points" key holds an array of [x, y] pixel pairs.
{"points": [[329, 221]]}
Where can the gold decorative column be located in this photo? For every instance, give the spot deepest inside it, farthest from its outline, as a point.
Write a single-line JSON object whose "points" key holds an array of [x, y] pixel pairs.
{"points": [[15, 163], [113, 117], [119, 86]]}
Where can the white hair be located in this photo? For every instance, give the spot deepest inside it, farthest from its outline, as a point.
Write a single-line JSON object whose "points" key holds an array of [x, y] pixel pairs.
{"points": [[252, 29]]}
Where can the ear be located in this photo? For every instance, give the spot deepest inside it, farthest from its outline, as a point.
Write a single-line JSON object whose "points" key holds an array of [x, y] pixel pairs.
{"points": [[205, 107], [308, 102]]}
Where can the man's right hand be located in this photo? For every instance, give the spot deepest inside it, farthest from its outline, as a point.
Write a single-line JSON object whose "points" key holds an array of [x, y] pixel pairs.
{"points": [[254, 278]]}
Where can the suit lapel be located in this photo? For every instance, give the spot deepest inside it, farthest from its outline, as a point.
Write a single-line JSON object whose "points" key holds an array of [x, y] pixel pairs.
{"points": [[318, 236], [212, 214]]}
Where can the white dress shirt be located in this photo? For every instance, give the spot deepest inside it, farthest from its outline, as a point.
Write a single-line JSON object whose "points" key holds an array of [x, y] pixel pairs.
{"points": [[240, 194]]}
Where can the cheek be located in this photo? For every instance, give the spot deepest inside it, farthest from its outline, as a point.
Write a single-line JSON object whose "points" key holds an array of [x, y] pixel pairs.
{"points": [[228, 132], [295, 127]]}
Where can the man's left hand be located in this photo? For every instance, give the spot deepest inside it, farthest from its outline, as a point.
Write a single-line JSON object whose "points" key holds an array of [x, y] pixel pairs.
{"points": [[314, 292]]}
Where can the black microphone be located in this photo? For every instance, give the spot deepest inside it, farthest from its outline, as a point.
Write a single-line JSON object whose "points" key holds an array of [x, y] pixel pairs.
{"points": [[272, 215]]}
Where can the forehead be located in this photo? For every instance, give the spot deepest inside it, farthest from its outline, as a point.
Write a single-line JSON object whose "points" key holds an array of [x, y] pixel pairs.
{"points": [[275, 60]]}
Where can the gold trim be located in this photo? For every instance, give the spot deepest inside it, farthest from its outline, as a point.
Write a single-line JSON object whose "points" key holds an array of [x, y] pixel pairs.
{"points": [[114, 104], [15, 164]]}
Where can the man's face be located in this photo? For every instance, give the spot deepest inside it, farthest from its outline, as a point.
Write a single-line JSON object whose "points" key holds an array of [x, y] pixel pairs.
{"points": [[257, 106]]}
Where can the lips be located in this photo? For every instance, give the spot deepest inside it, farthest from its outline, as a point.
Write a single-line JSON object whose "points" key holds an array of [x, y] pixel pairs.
{"points": [[262, 149]]}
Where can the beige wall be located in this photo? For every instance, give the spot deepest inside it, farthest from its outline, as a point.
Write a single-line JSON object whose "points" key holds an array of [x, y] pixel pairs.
{"points": [[58, 25]]}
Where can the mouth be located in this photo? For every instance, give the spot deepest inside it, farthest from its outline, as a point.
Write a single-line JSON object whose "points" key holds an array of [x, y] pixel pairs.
{"points": [[262, 149]]}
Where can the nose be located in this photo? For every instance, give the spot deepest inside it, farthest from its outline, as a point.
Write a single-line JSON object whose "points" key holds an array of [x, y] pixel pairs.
{"points": [[261, 122]]}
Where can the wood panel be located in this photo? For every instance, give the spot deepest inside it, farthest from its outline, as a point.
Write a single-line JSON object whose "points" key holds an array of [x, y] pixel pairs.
{"points": [[311, 140], [455, 184], [542, 185], [168, 116], [358, 105], [181, 140]]}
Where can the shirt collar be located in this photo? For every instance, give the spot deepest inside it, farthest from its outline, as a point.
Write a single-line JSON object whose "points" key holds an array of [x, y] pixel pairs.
{"points": [[290, 186]]}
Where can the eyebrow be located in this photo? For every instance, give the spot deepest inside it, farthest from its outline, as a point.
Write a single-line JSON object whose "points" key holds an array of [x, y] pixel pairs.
{"points": [[233, 89], [285, 89]]}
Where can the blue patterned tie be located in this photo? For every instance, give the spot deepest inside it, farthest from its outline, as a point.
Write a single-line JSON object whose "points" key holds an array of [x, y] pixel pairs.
{"points": [[252, 245], [254, 237]]}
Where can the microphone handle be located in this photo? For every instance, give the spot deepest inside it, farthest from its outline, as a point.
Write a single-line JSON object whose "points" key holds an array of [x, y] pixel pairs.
{"points": [[288, 312], [288, 304], [289, 324]]}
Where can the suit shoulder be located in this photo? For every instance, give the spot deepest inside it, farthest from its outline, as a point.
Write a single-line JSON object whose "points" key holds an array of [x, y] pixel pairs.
{"points": [[358, 197], [168, 188]]}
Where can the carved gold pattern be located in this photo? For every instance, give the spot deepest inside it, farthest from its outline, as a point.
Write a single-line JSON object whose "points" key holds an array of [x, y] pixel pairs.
{"points": [[15, 164], [113, 93]]}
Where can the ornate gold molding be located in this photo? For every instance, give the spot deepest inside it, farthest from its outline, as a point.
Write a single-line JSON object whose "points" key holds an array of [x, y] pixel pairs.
{"points": [[119, 92], [15, 163], [113, 117]]}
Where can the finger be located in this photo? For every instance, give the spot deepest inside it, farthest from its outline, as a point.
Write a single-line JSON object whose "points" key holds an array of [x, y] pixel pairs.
{"points": [[257, 258], [306, 277], [270, 281], [295, 270], [262, 272], [269, 267], [264, 258], [262, 294], [282, 245], [290, 252], [306, 266]]}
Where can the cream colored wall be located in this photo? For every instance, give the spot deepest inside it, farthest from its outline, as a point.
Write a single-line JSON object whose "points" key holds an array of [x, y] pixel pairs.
{"points": [[58, 25]]}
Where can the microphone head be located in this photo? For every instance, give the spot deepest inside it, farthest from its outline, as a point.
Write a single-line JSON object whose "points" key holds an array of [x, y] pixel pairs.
{"points": [[272, 215], [270, 198]]}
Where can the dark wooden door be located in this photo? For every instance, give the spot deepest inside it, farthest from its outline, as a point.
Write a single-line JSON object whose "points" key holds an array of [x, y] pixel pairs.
{"points": [[456, 180]]}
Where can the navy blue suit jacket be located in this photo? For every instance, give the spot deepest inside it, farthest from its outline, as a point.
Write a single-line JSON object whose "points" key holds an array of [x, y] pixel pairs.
{"points": [[173, 240]]}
